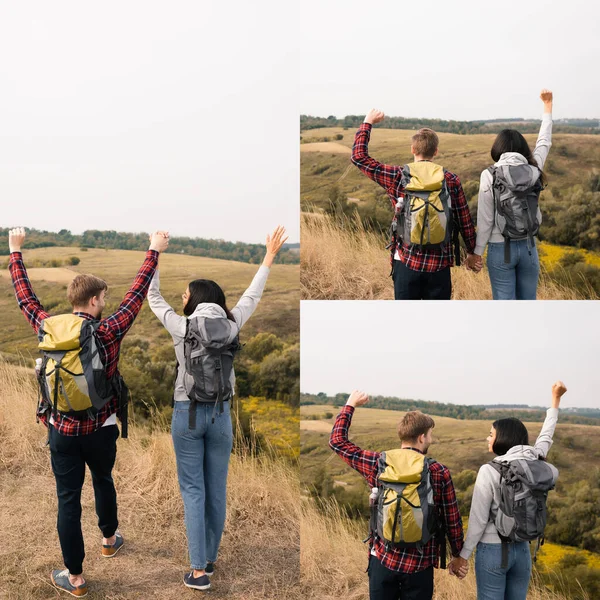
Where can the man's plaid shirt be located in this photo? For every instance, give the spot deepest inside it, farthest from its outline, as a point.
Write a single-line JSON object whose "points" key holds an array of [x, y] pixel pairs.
{"points": [[109, 333], [388, 177], [408, 560]]}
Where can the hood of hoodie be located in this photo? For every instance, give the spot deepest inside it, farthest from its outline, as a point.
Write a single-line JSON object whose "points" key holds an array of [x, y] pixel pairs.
{"points": [[209, 310], [519, 453], [511, 158]]}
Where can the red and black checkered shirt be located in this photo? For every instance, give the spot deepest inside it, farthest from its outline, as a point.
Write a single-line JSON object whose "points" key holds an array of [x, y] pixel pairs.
{"points": [[109, 333], [389, 177], [405, 560]]}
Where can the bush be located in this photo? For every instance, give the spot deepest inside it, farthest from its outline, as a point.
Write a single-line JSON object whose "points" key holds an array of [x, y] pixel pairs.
{"points": [[74, 260]]}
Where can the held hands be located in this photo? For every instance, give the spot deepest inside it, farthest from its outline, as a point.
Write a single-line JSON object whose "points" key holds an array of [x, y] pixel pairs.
{"points": [[274, 243], [159, 241], [357, 398], [16, 237], [458, 566], [374, 116], [558, 390], [474, 262], [546, 97]]}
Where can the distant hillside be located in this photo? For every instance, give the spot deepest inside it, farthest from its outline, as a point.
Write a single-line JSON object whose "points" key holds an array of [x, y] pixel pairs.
{"points": [[116, 240], [582, 416], [591, 126]]}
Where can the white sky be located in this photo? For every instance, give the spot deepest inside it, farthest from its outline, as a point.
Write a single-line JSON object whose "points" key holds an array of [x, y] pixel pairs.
{"points": [[466, 352], [452, 60], [149, 115]]}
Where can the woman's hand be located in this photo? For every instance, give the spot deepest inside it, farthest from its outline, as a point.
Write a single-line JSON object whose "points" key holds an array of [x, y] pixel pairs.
{"points": [[558, 389], [274, 244], [546, 97]]}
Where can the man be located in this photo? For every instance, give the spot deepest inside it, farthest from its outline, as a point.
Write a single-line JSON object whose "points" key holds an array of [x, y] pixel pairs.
{"points": [[77, 441], [397, 573], [419, 273]]}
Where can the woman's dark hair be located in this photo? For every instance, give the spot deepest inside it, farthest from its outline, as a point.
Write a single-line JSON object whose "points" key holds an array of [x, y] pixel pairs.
{"points": [[205, 290], [511, 140], [509, 432]]}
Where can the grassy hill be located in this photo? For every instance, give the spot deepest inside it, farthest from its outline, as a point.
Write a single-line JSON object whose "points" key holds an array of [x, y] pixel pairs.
{"points": [[260, 551], [460, 445], [572, 159], [147, 354]]}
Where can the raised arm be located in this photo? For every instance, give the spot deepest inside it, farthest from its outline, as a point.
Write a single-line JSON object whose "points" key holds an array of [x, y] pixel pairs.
{"points": [[363, 461], [119, 323], [247, 304], [28, 302], [544, 440], [384, 175], [175, 324], [544, 141]]}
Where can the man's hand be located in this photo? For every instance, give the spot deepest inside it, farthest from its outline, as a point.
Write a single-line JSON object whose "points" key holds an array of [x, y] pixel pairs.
{"points": [[274, 244], [546, 97], [374, 116], [458, 566], [474, 262], [159, 241], [16, 237], [558, 389], [357, 398]]}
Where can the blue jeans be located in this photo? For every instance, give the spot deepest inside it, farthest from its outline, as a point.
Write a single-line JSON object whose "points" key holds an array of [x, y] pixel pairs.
{"points": [[202, 462], [495, 583], [518, 279]]}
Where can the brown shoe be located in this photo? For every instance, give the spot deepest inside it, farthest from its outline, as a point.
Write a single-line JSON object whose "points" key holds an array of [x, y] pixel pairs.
{"points": [[109, 550], [61, 580]]}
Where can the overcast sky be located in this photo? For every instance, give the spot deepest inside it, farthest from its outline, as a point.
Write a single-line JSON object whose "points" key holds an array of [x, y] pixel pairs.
{"points": [[139, 116], [464, 352], [452, 60]]}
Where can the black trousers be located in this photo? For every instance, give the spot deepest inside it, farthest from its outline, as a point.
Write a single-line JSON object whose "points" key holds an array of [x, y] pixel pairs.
{"points": [[418, 285], [69, 455], [385, 584]]}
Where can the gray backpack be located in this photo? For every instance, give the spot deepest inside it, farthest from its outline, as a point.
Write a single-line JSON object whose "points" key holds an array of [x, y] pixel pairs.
{"points": [[516, 190], [521, 515], [209, 347]]}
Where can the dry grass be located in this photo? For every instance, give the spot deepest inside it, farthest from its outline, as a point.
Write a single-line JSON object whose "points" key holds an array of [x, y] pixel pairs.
{"points": [[351, 263], [260, 551], [331, 147], [333, 562]]}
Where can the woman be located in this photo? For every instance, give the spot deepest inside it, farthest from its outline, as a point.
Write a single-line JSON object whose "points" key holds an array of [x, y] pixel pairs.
{"points": [[513, 277], [202, 450], [508, 439]]}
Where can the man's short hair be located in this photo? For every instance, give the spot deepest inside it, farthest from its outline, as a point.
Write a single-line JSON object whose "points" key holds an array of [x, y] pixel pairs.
{"points": [[413, 424], [425, 142], [83, 288]]}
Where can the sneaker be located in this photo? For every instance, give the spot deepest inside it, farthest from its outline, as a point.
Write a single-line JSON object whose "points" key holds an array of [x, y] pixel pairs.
{"points": [[60, 579], [196, 583], [210, 569], [108, 550]]}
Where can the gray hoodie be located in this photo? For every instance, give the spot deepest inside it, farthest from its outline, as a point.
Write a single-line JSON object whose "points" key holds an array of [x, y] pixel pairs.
{"points": [[487, 229], [176, 324], [486, 494]]}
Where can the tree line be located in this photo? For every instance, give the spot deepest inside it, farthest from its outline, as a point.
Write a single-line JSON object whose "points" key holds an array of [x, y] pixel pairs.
{"points": [[440, 409], [117, 240], [591, 126]]}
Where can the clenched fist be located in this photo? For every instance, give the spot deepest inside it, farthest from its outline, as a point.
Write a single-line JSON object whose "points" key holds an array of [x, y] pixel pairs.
{"points": [[16, 237], [374, 116], [357, 398], [558, 389], [159, 241]]}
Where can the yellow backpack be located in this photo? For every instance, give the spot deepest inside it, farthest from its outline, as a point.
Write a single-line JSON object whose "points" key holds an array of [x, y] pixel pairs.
{"points": [[424, 217], [72, 376], [403, 514]]}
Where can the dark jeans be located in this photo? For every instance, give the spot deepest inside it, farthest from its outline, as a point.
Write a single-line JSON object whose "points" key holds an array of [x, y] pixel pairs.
{"points": [[385, 584], [418, 285], [69, 455]]}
